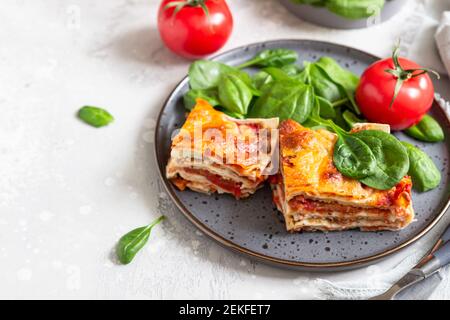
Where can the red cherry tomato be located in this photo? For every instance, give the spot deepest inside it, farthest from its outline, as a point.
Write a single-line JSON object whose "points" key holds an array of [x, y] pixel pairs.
{"points": [[376, 89], [197, 29]]}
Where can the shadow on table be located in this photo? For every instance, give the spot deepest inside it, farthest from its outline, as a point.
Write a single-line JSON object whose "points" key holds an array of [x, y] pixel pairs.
{"points": [[144, 45]]}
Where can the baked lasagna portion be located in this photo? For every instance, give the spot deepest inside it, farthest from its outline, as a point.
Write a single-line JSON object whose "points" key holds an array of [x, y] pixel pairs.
{"points": [[216, 153], [314, 196]]}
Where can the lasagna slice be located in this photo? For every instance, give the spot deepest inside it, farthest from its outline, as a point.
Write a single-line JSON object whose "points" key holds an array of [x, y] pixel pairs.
{"points": [[314, 196], [216, 153]]}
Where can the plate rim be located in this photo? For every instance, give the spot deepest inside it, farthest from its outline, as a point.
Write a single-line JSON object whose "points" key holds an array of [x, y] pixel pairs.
{"points": [[307, 266]]}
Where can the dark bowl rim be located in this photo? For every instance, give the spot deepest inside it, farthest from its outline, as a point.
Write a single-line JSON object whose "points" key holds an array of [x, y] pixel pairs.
{"points": [[306, 266]]}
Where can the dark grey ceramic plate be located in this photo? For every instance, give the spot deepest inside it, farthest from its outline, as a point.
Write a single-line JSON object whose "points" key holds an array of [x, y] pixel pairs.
{"points": [[254, 227]]}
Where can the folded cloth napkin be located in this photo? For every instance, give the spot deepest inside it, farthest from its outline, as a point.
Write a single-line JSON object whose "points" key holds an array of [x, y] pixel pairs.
{"points": [[443, 39], [418, 30]]}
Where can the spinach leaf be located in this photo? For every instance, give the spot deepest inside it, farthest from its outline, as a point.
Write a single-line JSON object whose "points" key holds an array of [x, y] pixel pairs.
{"points": [[205, 74], [352, 157], [234, 94], [130, 244], [351, 119], [392, 162], [355, 9], [272, 58], [94, 116], [349, 9], [424, 173], [286, 100], [323, 85], [327, 110], [291, 69], [260, 79], [279, 74], [343, 78], [209, 95], [428, 130]]}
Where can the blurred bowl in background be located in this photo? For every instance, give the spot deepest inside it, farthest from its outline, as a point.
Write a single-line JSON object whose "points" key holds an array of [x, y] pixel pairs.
{"points": [[324, 17]]}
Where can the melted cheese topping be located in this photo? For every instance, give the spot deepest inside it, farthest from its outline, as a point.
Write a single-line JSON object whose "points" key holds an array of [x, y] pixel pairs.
{"points": [[238, 144], [216, 153]]}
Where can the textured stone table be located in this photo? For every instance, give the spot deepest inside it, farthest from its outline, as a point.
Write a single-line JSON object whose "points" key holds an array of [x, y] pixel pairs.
{"points": [[68, 191]]}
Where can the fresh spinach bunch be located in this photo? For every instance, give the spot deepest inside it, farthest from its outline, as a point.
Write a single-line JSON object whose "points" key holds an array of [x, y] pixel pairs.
{"points": [[220, 85], [331, 82], [349, 9]]}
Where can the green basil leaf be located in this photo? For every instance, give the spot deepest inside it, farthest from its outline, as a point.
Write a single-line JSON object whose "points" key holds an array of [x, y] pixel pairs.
{"points": [[130, 244], [272, 58], [392, 162], [94, 116], [234, 94], [424, 173], [209, 95], [353, 158], [428, 130], [286, 100]]}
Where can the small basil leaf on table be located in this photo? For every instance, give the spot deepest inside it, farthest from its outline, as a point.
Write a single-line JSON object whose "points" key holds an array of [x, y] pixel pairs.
{"points": [[234, 94], [355, 9], [392, 161], [352, 157], [130, 244], [286, 100], [94, 116], [209, 95], [272, 58], [424, 173], [428, 130], [344, 78]]}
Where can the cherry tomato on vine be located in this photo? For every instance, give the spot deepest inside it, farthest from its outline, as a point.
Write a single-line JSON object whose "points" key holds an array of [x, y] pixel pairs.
{"points": [[194, 28], [395, 91]]}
